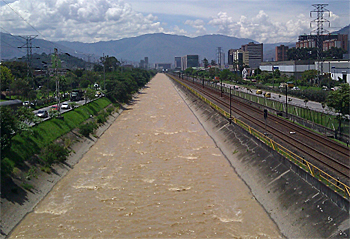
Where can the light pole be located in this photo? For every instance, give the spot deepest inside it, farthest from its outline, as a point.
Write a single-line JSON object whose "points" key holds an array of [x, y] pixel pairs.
{"points": [[104, 72], [220, 86], [286, 101], [57, 81], [230, 104]]}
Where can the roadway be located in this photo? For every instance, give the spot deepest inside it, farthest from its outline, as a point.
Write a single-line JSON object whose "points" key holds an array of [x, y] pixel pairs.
{"points": [[313, 105]]}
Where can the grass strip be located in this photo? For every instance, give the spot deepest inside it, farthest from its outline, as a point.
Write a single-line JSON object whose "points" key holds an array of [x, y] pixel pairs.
{"points": [[30, 143]]}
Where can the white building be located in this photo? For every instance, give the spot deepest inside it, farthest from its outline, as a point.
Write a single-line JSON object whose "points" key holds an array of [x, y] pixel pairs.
{"points": [[337, 69]]}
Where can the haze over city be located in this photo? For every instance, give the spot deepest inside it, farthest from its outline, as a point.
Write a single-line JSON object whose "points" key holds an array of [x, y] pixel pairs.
{"points": [[267, 21]]}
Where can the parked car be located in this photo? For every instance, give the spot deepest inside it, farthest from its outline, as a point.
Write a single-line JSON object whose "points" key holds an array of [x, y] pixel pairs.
{"points": [[98, 94], [267, 95], [259, 92], [54, 108], [26, 103], [295, 88], [42, 114], [65, 106]]}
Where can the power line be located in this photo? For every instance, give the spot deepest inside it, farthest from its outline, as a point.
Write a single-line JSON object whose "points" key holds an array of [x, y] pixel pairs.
{"points": [[319, 10], [28, 45], [22, 17]]}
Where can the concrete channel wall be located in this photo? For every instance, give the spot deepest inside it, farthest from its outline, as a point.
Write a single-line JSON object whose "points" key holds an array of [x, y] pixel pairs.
{"points": [[300, 205]]}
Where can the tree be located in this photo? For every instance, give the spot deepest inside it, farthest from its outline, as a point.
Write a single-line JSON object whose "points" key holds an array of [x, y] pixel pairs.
{"points": [[21, 87], [89, 94], [309, 76], [6, 78], [189, 71], [339, 101], [276, 73], [18, 69], [213, 63], [205, 62], [12, 123], [110, 62], [225, 74]]}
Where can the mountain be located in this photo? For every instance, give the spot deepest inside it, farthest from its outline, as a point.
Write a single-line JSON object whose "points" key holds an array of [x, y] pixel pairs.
{"points": [[160, 47], [344, 30], [15, 46]]}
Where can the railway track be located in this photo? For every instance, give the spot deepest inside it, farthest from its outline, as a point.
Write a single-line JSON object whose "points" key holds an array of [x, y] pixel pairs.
{"points": [[327, 154]]}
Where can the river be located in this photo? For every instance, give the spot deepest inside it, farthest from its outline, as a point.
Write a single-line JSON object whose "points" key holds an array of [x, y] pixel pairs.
{"points": [[155, 173]]}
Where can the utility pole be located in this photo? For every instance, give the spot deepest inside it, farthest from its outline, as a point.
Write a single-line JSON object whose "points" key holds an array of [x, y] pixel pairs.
{"points": [[28, 45], [230, 104], [104, 72], [56, 63], [319, 10]]}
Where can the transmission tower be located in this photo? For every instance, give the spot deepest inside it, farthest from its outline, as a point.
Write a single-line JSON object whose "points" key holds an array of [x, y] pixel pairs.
{"points": [[28, 45], [319, 10]]}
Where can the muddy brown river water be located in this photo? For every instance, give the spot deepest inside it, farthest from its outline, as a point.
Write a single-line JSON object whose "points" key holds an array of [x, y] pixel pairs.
{"points": [[154, 173]]}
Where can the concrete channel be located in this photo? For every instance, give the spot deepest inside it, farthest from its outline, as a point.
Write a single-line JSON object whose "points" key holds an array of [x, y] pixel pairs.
{"points": [[301, 206]]}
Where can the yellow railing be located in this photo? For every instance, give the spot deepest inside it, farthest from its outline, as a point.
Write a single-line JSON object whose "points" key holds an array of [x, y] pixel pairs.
{"points": [[316, 172]]}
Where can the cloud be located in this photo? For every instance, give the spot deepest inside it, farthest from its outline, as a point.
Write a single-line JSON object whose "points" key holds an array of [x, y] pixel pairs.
{"points": [[76, 20], [261, 27], [177, 31], [197, 24]]}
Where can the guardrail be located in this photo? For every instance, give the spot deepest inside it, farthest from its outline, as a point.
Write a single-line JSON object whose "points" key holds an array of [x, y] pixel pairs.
{"points": [[313, 170]]}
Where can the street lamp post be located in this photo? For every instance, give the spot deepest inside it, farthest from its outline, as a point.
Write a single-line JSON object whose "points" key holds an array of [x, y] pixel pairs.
{"points": [[104, 72], [220, 86], [286, 101], [230, 104]]}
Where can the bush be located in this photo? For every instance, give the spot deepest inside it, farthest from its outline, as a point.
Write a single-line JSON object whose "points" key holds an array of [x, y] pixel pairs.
{"points": [[87, 129], [27, 186], [102, 117], [53, 153], [110, 110], [7, 167]]}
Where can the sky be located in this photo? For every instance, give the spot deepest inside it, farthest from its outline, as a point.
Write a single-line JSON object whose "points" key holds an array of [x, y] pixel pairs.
{"points": [[265, 21]]}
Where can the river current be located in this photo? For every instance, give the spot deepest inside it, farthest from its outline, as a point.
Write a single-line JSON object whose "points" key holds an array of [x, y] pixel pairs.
{"points": [[155, 173]]}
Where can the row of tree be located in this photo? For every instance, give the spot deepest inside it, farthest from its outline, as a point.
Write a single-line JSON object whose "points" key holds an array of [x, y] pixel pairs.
{"points": [[119, 83], [311, 53]]}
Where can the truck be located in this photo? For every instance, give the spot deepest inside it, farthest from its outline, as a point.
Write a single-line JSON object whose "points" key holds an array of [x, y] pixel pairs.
{"points": [[76, 95]]}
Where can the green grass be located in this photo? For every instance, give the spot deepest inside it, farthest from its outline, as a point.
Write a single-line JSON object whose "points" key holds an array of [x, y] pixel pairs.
{"points": [[30, 143]]}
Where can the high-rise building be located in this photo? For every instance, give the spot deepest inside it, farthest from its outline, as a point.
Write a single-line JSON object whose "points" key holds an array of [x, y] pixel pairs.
{"points": [[146, 62], [281, 53], [230, 55], [189, 61], [328, 41], [252, 54], [235, 58], [177, 63]]}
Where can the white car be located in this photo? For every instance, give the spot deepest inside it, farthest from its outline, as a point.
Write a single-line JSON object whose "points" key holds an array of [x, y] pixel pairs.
{"points": [[65, 106], [42, 114]]}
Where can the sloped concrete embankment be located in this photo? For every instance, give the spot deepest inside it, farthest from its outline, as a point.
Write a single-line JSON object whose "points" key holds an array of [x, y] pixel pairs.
{"points": [[299, 209], [15, 206]]}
